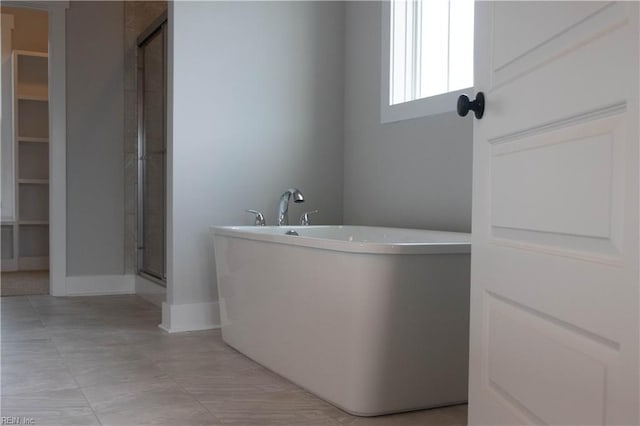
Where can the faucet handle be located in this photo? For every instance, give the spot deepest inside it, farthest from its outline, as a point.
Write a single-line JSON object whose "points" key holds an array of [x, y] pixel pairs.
{"points": [[304, 219], [259, 221]]}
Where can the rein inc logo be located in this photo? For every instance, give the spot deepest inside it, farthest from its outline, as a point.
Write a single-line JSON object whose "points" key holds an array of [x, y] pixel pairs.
{"points": [[15, 420]]}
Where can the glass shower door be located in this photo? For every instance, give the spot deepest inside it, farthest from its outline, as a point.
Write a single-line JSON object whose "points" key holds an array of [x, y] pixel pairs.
{"points": [[152, 150]]}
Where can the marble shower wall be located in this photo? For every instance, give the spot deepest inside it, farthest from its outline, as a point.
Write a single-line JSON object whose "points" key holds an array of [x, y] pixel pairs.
{"points": [[138, 16]]}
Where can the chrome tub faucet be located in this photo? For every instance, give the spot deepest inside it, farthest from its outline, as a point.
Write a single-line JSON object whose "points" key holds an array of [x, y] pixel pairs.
{"points": [[283, 208]]}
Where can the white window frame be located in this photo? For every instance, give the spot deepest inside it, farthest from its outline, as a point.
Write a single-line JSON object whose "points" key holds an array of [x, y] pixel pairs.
{"points": [[423, 107]]}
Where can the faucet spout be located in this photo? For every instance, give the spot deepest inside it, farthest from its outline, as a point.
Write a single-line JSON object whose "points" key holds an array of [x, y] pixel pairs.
{"points": [[283, 208]]}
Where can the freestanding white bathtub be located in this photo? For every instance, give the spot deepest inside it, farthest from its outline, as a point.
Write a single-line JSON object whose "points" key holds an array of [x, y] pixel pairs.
{"points": [[373, 320]]}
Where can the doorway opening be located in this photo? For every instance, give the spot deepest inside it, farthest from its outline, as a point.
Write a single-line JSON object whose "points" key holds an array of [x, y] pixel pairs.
{"points": [[24, 153]]}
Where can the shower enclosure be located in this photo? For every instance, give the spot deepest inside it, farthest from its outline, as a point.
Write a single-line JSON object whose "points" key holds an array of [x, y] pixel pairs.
{"points": [[152, 46]]}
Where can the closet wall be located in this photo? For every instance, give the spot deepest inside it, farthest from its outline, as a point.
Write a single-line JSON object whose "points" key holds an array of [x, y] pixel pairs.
{"points": [[31, 28], [95, 98]]}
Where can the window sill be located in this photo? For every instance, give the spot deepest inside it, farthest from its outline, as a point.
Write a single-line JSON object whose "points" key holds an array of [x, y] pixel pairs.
{"points": [[438, 104]]}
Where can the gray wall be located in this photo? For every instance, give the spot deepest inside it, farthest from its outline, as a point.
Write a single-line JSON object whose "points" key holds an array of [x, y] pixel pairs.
{"points": [[413, 173], [95, 117], [257, 107]]}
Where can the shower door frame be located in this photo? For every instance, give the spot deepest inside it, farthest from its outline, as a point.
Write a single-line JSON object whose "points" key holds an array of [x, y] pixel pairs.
{"points": [[158, 25]]}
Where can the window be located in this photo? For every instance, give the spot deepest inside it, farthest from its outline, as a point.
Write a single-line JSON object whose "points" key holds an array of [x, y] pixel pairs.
{"points": [[428, 53]]}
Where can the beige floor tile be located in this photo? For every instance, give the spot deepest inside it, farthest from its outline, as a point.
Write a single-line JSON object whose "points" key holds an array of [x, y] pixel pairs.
{"points": [[24, 283], [141, 336], [182, 347], [25, 376], [15, 301], [67, 322], [23, 349], [64, 407], [124, 303], [16, 313], [74, 340], [67, 398], [20, 324], [87, 359], [46, 300], [209, 364], [55, 416], [103, 396], [250, 384], [92, 374], [147, 402], [275, 407], [101, 356], [18, 334]]}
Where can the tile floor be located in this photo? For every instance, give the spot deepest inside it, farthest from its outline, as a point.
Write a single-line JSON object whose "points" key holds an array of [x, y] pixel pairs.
{"points": [[103, 360], [24, 283]]}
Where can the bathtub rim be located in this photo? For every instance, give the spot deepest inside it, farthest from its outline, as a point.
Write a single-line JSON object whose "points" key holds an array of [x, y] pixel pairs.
{"points": [[244, 232]]}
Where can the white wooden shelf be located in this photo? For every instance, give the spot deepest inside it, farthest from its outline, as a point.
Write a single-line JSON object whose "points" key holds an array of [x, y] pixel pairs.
{"points": [[32, 139], [25, 240], [33, 222], [30, 53], [34, 181], [37, 98]]}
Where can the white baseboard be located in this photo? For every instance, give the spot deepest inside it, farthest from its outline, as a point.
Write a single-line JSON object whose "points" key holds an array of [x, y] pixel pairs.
{"points": [[100, 285], [150, 291], [190, 317]]}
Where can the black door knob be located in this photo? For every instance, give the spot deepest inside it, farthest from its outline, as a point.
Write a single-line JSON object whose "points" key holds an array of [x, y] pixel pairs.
{"points": [[477, 106]]}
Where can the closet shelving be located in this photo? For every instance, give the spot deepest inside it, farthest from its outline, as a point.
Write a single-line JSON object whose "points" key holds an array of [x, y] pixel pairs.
{"points": [[25, 238]]}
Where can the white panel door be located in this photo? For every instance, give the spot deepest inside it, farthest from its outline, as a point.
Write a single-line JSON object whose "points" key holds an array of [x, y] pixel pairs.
{"points": [[554, 286]]}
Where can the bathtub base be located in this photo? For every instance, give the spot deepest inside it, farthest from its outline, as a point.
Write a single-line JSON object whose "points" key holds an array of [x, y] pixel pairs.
{"points": [[388, 413], [357, 413], [370, 334]]}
